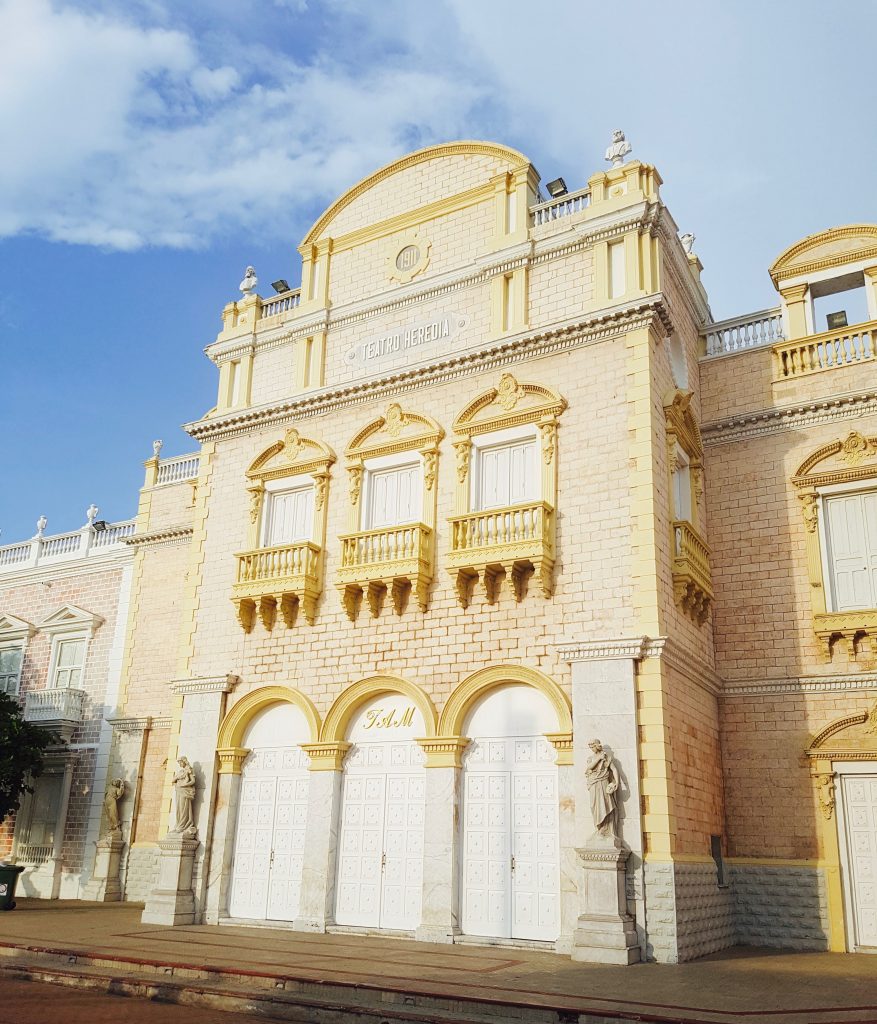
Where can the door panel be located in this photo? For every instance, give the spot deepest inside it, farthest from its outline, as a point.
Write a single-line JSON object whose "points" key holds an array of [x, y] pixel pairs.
{"points": [[860, 813], [380, 862], [269, 841], [511, 873]]}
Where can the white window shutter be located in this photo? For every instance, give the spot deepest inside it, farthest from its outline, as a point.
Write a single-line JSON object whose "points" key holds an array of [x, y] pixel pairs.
{"points": [[290, 516], [852, 530], [508, 475], [395, 497]]}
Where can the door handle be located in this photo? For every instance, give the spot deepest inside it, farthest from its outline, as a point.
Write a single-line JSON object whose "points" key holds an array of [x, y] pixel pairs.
{"points": [[513, 862], [271, 861], [383, 861]]}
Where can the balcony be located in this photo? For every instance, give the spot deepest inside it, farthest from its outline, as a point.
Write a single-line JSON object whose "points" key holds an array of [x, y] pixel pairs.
{"points": [[755, 330], [846, 346], [394, 560], [57, 709], [276, 579], [692, 582], [517, 540]]}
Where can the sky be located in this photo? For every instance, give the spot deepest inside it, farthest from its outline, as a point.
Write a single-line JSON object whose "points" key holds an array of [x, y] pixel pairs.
{"points": [[151, 150]]}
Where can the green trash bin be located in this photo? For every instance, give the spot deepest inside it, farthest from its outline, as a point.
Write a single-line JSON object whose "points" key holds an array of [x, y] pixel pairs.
{"points": [[8, 877]]}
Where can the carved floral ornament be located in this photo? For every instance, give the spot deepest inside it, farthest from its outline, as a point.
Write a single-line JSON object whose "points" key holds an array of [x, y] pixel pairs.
{"points": [[682, 428], [295, 455], [839, 462], [511, 403]]}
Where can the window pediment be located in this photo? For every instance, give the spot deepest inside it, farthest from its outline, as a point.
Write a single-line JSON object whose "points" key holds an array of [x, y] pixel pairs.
{"points": [[847, 737], [509, 404], [397, 430], [843, 461], [292, 455], [13, 628], [682, 427], [70, 619], [825, 250]]}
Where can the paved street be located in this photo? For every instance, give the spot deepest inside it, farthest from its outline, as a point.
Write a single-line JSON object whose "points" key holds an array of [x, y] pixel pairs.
{"points": [[29, 1002]]}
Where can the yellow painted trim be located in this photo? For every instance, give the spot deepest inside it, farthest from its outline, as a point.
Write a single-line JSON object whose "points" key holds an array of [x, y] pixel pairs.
{"points": [[326, 757], [486, 679], [563, 744], [780, 267], [231, 759], [444, 751], [233, 726], [462, 148], [338, 717]]}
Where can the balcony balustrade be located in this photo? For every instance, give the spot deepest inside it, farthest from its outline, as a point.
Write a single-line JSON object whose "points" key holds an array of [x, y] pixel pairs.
{"points": [[281, 304], [564, 206], [62, 547], [278, 578], [58, 709], [394, 560], [830, 350], [178, 469], [692, 580], [517, 540], [755, 330]]}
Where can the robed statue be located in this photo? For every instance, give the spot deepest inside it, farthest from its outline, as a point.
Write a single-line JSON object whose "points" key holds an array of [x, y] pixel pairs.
{"points": [[115, 792], [602, 778], [184, 789]]}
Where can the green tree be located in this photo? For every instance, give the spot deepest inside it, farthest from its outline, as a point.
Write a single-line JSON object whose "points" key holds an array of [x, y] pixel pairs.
{"points": [[21, 753]]}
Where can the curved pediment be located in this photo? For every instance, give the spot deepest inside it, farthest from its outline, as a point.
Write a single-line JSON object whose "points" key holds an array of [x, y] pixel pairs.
{"points": [[469, 162], [397, 430], [851, 736], [851, 458], [826, 249], [510, 403], [292, 455], [681, 422]]}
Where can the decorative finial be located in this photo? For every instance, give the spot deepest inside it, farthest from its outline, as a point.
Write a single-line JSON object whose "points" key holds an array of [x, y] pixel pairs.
{"points": [[687, 241], [91, 513], [250, 281], [619, 149], [156, 448], [42, 523]]}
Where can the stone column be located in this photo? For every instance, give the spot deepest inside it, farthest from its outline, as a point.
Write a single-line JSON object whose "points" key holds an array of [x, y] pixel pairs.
{"points": [[317, 902], [440, 920], [605, 706], [228, 793]]}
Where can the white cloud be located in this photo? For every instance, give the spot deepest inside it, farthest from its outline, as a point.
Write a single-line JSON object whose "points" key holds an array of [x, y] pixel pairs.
{"points": [[126, 138]]}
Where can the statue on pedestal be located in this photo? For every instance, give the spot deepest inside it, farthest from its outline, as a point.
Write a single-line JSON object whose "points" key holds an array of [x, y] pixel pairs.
{"points": [[115, 792], [602, 779], [619, 149], [250, 281], [184, 788]]}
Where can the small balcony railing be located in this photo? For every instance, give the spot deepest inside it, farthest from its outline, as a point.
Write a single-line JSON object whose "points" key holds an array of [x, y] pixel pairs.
{"points": [[755, 330], [827, 351], [278, 578], [517, 540], [692, 579], [59, 709], [397, 559]]}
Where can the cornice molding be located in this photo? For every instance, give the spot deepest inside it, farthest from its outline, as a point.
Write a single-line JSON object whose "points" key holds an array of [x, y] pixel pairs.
{"points": [[802, 684], [206, 684], [92, 563], [605, 649], [850, 405], [563, 337], [169, 535], [128, 725]]}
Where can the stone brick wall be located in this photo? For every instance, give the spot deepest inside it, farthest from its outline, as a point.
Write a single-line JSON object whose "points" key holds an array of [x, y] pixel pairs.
{"points": [[687, 914], [782, 906], [141, 872]]}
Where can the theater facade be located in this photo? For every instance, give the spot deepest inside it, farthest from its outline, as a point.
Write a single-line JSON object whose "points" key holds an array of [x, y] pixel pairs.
{"points": [[489, 486]]}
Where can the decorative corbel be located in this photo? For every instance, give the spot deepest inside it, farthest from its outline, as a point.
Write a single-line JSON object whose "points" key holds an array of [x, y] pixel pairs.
{"points": [[464, 456], [430, 467], [321, 488], [825, 789], [810, 510], [355, 476], [548, 431]]}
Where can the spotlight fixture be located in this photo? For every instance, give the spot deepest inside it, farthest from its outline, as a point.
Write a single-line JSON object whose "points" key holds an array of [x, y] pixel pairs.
{"points": [[99, 525], [836, 320], [557, 188], [280, 286]]}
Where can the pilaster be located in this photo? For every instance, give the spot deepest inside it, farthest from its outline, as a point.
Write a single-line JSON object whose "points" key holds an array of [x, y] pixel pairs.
{"points": [[317, 902]]}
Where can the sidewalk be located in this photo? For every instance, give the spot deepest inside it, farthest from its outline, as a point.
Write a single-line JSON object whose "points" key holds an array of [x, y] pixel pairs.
{"points": [[286, 975]]}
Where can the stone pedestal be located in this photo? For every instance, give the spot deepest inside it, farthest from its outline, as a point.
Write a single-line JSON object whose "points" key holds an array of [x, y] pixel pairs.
{"points": [[104, 886], [606, 933], [172, 901]]}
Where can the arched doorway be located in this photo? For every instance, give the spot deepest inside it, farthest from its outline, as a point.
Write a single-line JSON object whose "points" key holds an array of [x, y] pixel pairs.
{"points": [[509, 830], [272, 815], [379, 878]]}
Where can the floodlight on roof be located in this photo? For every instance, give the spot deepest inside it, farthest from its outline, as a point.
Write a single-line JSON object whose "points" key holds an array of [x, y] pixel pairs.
{"points": [[280, 286], [557, 188]]}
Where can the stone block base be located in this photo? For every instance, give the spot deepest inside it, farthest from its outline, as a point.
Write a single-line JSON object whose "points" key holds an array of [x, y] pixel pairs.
{"points": [[172, 901], [606, 940], [606, 933], [105, 886]]}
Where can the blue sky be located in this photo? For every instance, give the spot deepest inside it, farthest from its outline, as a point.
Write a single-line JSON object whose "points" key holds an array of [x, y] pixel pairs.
{"points": [[153, 149]]}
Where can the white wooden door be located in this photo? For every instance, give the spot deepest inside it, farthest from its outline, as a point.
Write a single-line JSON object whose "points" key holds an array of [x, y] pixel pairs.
{"points": [[860, 822], [269, 841], [511, 849], [380, 857]]}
